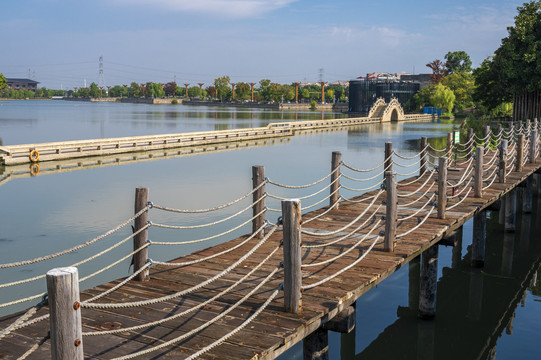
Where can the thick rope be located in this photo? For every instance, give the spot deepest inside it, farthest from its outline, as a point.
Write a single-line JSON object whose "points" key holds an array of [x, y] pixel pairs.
{"points": [[418, 189], [423, 195], [344, 236], [327, 233], [183, 211], [368, 170], [415, 179], [304, 208], [459, 202], [322, 214], [186, 263], [307, 196], [207, 238], [303, 186], [34, 347], [354, 246], [408, 157], [187, 311], [75, 248], [203, 326], [27, 315], [311, 286], [378, 184], [418, 225], [182, 292], [423, 208]]}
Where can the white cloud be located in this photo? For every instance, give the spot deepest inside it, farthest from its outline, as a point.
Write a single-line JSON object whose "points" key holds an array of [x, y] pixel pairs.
{"points": [[229, 8]]}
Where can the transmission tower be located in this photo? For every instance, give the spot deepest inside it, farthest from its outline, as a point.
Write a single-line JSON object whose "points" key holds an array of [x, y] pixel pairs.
{"points": [[101, 79], [321, 75]]}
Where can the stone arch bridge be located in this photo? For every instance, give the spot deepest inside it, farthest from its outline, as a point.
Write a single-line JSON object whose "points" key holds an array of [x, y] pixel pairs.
{"points": [[392, 111]]}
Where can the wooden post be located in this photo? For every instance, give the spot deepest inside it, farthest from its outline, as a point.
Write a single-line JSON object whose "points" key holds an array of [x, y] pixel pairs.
{"points": [[449, 147], [533, 146], [390, 211], [65, 314], [388, 162], [140, 258], [479, 238], [414, 273], [527, 196], [472, 144], [258, 178], [429, 280], [478, 180], [291, 217], [316, 345], [424, 154], [442, 187], [487, 133], [520, 153], [503, 162], [335, 177], [510, 210]]}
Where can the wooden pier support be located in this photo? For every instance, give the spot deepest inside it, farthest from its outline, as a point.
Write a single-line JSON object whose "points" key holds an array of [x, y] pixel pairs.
{"points": [[140, 258], [478, 180], [475, 295], [414, 275], [508, 252], [479, 239], [428, 285], [424, 154], [316, 345], [510, 210], [335, 177], [65, 314], [258, 180], [390, 211], [442, 187], [291, 218], [342, 323], [502, 170]]}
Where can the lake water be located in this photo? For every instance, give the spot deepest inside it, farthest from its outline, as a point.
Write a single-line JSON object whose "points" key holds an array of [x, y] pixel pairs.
{"points": [[53, 211]]}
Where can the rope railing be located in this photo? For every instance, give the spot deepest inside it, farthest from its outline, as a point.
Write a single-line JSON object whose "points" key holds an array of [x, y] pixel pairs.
{"points": [[75, 248], [418, 189], [367, 170], [185, 291], [307, 185], [219, 207], [423, 195], [333, 232], [363, 189], [403, 157], [346, 236], [461, 200], [421, 209], [374, 176], [311, 195], [189, 310], [418, 225], [351, 248]]}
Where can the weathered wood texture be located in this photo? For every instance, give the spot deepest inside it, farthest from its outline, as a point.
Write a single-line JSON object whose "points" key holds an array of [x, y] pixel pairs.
{"points": [[274, 330]]}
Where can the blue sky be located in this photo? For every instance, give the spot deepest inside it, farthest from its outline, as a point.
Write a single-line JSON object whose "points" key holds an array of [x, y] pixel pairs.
{"points": [[199, 40]]}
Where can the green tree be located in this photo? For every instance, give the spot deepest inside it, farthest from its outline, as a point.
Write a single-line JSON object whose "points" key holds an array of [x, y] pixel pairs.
{"points": [[264, 89], [3, 82], [458, 61], [443, 97], [243, 91], [94, 90], [194, 91], [223, 87], [305, 93], [135, 90], [463, 85]]}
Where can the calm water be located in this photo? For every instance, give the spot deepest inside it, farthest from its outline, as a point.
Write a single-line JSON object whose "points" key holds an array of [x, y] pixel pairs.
{"points": [[52, 211]]}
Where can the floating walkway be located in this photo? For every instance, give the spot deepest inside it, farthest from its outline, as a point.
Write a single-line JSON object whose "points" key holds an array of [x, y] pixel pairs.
{"points": [[54, 151], [257, 295]]}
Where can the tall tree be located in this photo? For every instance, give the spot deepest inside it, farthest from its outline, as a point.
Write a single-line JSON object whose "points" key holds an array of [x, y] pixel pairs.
{"points": [[458, 61], [223, 88], [463, 86], [439, 70], [3, 82]]}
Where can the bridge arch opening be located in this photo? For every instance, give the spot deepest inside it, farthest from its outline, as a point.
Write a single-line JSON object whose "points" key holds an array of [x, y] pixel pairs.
{"points": [[394, 115]]}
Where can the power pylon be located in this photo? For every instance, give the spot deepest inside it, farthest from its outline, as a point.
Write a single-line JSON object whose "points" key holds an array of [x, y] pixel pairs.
{"points": [[101, 79]]}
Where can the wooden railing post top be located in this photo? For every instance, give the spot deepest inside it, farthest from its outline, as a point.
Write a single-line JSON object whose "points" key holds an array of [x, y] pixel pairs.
{"points": [[62, 271]]}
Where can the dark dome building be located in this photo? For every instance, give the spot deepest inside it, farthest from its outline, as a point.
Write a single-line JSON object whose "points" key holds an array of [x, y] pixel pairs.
{"points": [[364, 93]]}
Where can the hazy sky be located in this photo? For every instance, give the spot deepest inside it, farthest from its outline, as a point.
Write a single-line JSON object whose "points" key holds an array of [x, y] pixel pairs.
{"points": [[199, 40]]}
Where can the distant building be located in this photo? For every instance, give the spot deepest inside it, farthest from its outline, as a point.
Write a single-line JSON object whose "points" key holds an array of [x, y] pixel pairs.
{"points": [[22, 84], [364, 93], [423, 79]]}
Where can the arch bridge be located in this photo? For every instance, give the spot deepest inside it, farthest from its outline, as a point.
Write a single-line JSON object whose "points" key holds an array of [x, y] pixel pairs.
{"points": [[392, 111]]}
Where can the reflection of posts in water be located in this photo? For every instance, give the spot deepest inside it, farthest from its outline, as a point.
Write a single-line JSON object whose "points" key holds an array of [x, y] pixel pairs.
{"points": [[413, 286], [316, 345], [533, 282], [475, 296], [523, 299], [510, 210], [509, 328], [428, 285], [457, 250], [501, 214], [426, 334], [347, 345], [507, 254], [525, 228], [527, 196], [479, 239]]}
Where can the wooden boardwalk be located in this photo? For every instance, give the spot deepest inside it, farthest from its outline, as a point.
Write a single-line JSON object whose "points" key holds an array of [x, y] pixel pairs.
{"points": [[55, 151], [273, 331]]}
